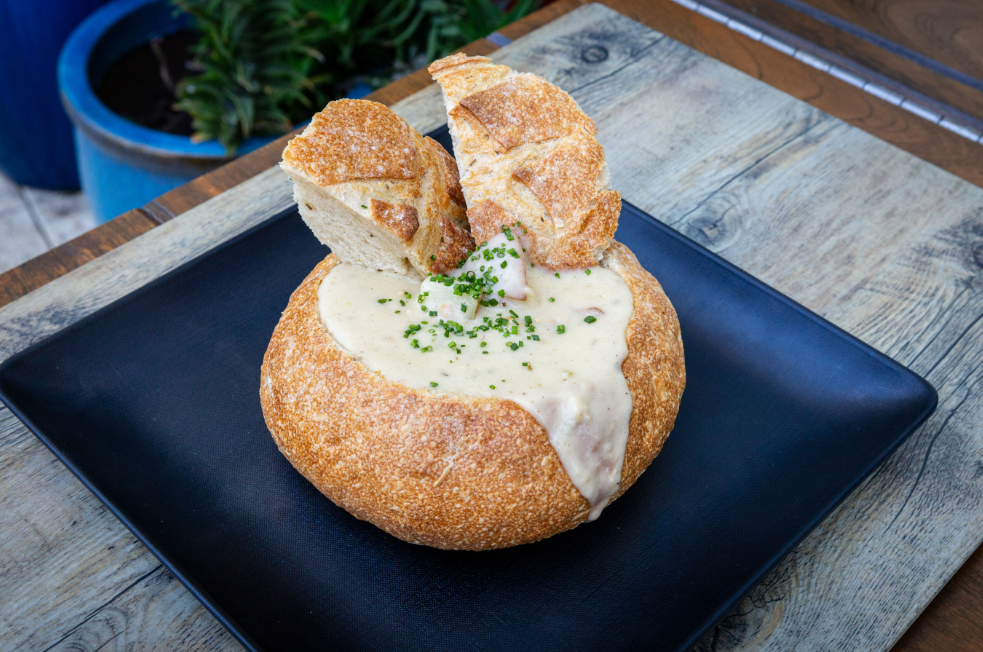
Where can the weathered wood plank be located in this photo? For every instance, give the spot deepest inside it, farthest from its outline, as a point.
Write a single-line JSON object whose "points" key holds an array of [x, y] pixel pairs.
{"points": [[899, 269], [929, 26], [63, 576], [36, 272], [51, 522], [834, 96], [876, 240], [949, 31], [952, 621], [152, 614], [890, 123], [77, 294]]}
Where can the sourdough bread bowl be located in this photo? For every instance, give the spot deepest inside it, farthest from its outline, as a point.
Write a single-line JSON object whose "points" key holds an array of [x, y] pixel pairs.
{"points": [[435, 465], [442, 469]]}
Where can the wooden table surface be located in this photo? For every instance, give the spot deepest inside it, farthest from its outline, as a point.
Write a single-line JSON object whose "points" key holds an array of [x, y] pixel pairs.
{"points": [[953, 620]]}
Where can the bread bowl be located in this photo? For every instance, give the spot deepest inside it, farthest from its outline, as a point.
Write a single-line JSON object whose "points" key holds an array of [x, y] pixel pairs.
{"points": [[439, 455]]}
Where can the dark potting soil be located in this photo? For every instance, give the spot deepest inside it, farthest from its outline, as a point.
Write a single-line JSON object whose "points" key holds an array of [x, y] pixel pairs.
{"points": [[140, 84]]}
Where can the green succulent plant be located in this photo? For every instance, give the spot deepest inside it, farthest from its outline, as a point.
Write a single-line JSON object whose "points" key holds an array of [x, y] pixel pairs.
{"points": [[265, 65]]}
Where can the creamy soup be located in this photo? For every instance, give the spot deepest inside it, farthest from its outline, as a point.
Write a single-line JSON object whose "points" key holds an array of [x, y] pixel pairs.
{"points": [[557, 354]]}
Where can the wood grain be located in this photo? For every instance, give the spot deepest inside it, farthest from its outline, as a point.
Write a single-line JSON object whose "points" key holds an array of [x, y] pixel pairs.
{"points": [[36, 272], [54, 523], [892, 124], [65, 557], [879, 242], [151, 614], [889, 123], [948, 31], [952, 621], [890, 64]]}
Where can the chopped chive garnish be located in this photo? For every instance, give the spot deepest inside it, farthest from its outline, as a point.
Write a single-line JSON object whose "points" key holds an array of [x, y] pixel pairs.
{"points": [[364, 206], [433, 257], [383, 300], [427, 349], [552, 299], [402, 303], [561, 329], [587, 271], [485, 352], [504, 264], [535, 337], [433, 384], [492, 386], [590, 319], [528, 320], [557, 274], [525, 364], [398, 311], [513, 346], [432, 313]]}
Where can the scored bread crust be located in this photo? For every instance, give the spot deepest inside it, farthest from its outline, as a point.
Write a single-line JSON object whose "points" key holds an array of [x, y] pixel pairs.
{"points": [[377, 192], [447, 470], [526, 152]]}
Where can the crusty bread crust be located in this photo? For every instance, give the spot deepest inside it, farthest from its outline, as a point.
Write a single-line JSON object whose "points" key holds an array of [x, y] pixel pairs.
{"points": [[526, 152], [445, 470], [377, 192]]}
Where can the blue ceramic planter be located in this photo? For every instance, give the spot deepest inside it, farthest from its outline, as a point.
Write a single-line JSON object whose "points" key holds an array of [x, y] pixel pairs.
{"points": [[123, 165], [35, 136]]}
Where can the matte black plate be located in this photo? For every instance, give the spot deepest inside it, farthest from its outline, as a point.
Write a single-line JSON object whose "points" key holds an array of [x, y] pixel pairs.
{"points": [[154, 403]]}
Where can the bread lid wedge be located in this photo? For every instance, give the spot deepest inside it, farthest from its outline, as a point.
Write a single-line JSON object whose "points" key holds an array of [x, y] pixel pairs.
{"points": [[528, 154], [376, 192]]}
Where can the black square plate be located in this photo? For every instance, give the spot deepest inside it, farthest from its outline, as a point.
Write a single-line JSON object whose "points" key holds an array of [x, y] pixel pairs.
{"points": [[153, 402]]}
